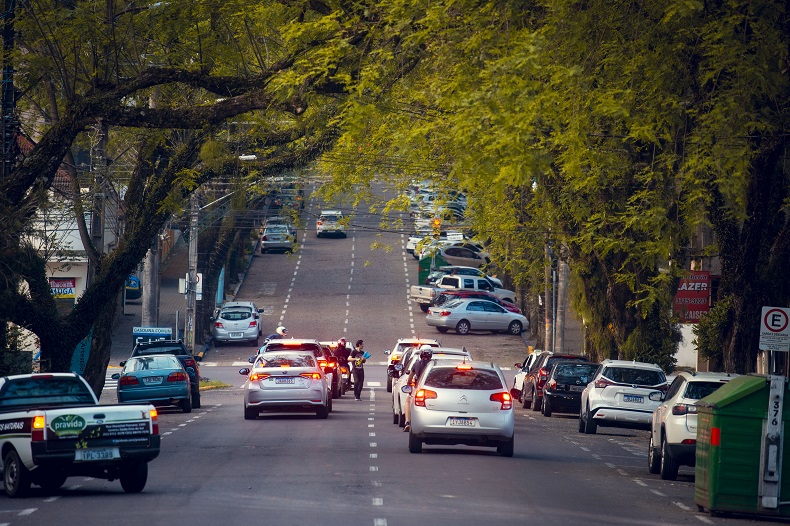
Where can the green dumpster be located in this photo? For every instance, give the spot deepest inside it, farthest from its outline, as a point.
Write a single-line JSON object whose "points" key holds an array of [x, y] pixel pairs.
{"points": [[427, 265], [730, 433]]}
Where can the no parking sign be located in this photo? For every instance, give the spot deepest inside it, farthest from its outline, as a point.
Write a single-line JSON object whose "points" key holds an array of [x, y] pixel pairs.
{"points": [[775, 329]]}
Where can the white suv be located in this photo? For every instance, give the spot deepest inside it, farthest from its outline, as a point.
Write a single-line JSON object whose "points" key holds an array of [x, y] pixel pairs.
{"points": [[673, 429], [330, 222], [396, 353], [621, 394], [521, 372]]}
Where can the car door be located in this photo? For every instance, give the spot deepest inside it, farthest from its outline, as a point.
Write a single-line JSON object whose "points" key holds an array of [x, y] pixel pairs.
{"points": [[498, 318], [477, 315], [660, 413]]}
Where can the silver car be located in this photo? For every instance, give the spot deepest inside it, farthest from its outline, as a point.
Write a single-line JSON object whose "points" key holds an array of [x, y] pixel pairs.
{"points": [[290, 381], [462, 403], [235, 325], [277, 238], [466, 315]]}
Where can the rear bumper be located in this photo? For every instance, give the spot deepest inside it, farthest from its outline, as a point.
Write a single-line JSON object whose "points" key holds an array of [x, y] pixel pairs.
{"points": [[684, 454], [62, 459], [609, 416]]}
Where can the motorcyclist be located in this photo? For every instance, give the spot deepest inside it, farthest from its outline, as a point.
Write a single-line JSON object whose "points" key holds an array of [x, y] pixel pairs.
{"points": [[342, 353], [279, 333], [426, 352]]}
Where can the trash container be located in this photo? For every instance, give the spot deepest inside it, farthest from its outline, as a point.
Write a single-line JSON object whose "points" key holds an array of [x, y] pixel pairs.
{"points": [[730, 434], [427, 265]]}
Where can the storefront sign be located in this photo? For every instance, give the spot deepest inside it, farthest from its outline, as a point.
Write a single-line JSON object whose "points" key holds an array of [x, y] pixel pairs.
{"points": [[692, 299]]}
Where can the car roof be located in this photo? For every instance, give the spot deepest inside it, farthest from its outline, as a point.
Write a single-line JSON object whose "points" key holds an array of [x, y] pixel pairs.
{"points": [[237, 304], [705, 376], [426, 341], [161, 343], [331, 212], [629, 363]]}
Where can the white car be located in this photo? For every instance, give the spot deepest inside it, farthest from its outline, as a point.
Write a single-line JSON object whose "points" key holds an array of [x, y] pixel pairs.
{"points": [[395, 354], [330, 222], [621, 394], [521, 372], [673, 427], [410, 357]]}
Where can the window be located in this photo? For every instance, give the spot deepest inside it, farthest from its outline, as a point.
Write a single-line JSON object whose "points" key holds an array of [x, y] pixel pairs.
{"points": [[634, 376], [469, 283], [235, 315], [452, 378], [41, 391], [697, 390], [280, 359], [490, 306], [569, 373]]}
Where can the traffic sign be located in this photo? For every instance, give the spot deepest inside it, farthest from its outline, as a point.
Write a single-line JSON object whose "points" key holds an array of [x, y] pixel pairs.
{"points": [[775, 329]]}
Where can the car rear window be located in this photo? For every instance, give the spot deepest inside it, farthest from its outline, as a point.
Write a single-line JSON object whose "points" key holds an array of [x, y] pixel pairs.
{"points": [[551, 360], [274, 345], [475, 379], [146, 363], [282, 359], [564, 372], [235, 315], [44, 391], [697, 390], [634, 376], [141, 351]]}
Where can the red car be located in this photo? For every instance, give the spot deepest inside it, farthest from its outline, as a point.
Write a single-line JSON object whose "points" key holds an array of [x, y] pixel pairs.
{"points": [[444, 297]]}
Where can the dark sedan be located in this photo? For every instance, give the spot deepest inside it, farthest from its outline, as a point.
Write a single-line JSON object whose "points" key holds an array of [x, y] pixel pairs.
{"points": [[563, 389]]}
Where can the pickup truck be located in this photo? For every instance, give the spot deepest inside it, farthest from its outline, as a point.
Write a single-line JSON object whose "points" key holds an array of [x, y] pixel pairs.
{"points": [[424, 295], [52, 427]]}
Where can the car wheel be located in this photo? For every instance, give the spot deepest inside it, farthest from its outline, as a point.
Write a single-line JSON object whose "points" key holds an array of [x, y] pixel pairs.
{"points": [[322, 412], [442, 330], [514, 328], [669, 466], [395, 417], [524, 403], [424, 307], [653, 458], [546, 407], [590, 427], [415, 444], [506, 448], [134, 476], [389, 384], [196, 399], [250, 414], [462, 327], [335, 391], [186, 404], [51, 481], [16, 476], [536, 401], [581, 422], [401, 420]]}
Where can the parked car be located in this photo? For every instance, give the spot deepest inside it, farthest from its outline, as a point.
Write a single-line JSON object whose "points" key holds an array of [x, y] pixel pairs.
{"points": [[330, 222], [235, 325], [410, 357], [449, 295], [179, 350], [621, 394], [465, 271], [673, 425], [461, 403], [290, 381], [521, 372], [464, 315], [563, 390], [277, 238], [157, 379], [394, 355], [248, 306], [535, 379], [280, 221], [134, 288]]}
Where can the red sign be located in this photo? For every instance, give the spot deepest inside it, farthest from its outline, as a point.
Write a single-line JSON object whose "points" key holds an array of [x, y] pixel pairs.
{"points": [[692, 299], [63, 287]]}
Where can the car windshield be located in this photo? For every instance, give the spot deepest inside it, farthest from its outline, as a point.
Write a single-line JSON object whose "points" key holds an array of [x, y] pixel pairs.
{"points": [[176, 350], [452, 303], [274, 345], [147, 363], [634, 376], [44, 390], [697, 390], [453, 378], [235, 315], [283, 359], [570, 372]]}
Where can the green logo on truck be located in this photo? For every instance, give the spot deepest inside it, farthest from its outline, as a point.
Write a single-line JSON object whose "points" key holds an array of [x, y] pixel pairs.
{"points": [[68, 425]]}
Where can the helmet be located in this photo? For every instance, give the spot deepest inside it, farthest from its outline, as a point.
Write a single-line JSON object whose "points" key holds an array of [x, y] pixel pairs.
{"points": [[341, 342], [282, 331], [426, 351]]}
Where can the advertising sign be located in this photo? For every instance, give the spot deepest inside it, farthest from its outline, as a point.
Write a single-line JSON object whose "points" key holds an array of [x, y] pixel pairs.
{"points": [[62, 287], [147, 334], [692, 299]]}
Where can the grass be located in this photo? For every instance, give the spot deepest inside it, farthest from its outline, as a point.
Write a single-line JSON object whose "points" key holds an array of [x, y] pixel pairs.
{"points": [[212, 384]]}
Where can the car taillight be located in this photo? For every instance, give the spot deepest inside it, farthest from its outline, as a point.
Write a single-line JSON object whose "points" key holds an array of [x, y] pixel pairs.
{"points": [[253, 323], [319, 223], [128, 380], [543, 373], [254, 377], [177, 377], [37, 428], [603, 382], [322, 363], [444, 313], [343, 369], [311, 376], [154, 421], [503, 398], [552, 384], [218, 324], [423, 395], [189, 362], [684, 409]]}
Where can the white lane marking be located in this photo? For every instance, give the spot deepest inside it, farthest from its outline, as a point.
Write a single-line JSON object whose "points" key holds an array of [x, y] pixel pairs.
{"points": [[379, 522], [166, 433], [681, 506], [28, 511], [374, 455], [704, 519], [596, 457], [609, 464], [622, 472], [371, 425], [585, 449], [657, 493], [374, 468], [637, 481], [378, 501], [373, 444], [371, 434], [51, 499], [376, 483], [373, 384]]}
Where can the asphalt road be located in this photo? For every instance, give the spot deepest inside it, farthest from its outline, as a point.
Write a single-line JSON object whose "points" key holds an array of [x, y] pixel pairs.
{"points": [[355, 468]]}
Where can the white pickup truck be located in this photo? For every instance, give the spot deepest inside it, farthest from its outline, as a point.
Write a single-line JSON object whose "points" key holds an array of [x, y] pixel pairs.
{"points": [[425, 295], [52, 427]]}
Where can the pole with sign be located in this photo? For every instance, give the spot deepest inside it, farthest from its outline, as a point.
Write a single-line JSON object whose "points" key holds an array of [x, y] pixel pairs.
{"points": [[774, 337]]}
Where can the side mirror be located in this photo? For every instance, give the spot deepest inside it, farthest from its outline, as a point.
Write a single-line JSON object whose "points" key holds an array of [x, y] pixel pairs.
{"points": [[406, 389], [656, 396], [260, 311], [115, 376], [244, 370], [251, 359], [122, 363]]}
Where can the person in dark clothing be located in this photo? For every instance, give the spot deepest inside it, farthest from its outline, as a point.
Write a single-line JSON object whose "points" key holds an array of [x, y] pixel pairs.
{"points": [[426, 353], [342, 353], [358, 358]]}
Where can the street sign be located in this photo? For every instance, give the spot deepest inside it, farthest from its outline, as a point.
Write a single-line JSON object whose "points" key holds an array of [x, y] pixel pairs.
{"points": [[147, 334], [775, 329]]}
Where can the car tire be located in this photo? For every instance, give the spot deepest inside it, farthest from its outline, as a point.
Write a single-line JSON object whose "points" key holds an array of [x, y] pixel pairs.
{"points": [[524, 403], [581, 422], [463, 327], [196, 399], [442, 330], [424, 307], [329, 403], [415, 444], [546, 407], [186, 404], [335, 391], [536, 401], [401, 420], [506, 448], [134, 476], [389, 384], [16, 477], [250, 414], [322, 412], [653, 457], [395, 418], [669, 466], [515, 328], [590, 427]]}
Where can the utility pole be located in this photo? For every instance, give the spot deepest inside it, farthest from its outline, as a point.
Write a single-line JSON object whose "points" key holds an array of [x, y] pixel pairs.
{"points": [[548, 299], [562, 288], [192, 278], [99, 170], [151, 266]]}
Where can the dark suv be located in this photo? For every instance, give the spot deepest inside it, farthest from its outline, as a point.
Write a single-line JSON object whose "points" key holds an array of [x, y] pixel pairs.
{"points": [[322, 354], [532, 393], [179, 350]]}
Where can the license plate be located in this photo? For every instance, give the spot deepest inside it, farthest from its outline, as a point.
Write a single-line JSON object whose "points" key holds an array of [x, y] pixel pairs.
{"points": [[634, 399], [236, 334], [152, 380], [283, 380], [87, 455], [461, 421], [577, 388]]}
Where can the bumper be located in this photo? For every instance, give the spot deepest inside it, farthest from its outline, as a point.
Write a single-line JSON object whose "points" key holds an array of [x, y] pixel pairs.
{"points": [[273, 245], [236, 336], [440, 321], [563, 401], [144, 449], [684, 454], [432, 427], [610, 416], [153, 395]]}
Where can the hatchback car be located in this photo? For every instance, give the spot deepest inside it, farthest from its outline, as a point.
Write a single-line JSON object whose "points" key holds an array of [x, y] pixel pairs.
{"points": [[673, 426], [452, 294], [563, 390], [475, 315], [330, 222], [289, 381], [621, 394], [158, 379], [461, 403], [277, 238], [395, 354], [280, 221], [326, 360], [247, 306], [235, 325], [179, 350]]}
